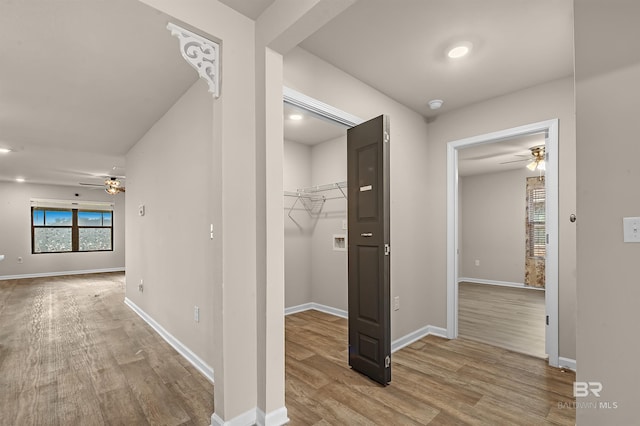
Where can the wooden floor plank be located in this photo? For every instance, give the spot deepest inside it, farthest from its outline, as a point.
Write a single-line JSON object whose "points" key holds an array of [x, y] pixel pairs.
{"points": [[508, 317], [434, 381], [71, 354], [78, 355]]}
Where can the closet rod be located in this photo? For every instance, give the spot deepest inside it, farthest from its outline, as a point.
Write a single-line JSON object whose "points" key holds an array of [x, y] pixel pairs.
{"points": [[327, 187]]}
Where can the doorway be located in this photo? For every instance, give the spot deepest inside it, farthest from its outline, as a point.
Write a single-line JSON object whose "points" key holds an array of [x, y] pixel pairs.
{"points": [[550, 130], [315, 204]]}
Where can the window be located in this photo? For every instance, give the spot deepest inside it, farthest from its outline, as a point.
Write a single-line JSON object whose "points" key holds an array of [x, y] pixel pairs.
{"points": [[536, 230], [58, 230]]}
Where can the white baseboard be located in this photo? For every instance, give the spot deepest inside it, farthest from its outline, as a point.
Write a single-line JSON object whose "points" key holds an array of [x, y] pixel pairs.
{"points": [[318, 307], [414, 336], [183, 350], [395, 345], [298, 308], [567, 363], [498, 283], [245, 419], [61, 273], [274, 418]]}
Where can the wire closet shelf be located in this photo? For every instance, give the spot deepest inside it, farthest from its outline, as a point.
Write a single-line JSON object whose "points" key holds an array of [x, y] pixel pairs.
{"points": [[312, 199]]}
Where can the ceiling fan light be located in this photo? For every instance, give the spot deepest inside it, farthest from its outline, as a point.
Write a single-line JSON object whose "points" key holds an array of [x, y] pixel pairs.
{"points": [[112, 182], [542, 165], [112, 190], [532, 165]]}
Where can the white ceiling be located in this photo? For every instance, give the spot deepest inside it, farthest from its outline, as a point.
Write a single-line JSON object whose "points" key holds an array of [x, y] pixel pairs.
{"points": [[81, 82], [399, 47], [499, 156], [250, 8]]}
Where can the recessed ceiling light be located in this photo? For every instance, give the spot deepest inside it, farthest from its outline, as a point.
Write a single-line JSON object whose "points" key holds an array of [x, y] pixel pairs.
{"points": [[19, 179], [459, 50], [4, 150], [295, 117]]}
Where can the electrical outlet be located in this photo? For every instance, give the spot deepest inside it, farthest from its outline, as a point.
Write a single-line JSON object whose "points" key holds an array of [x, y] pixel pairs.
{"points": [[477, 262], [396, 303], [141, 286], [196, 314]]}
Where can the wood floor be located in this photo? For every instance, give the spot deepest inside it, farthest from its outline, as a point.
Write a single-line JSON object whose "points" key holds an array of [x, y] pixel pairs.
{"points": [[508, 317], [72, 353], [434, 381]]}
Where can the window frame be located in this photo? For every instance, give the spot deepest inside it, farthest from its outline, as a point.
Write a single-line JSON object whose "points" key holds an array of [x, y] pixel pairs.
{"points": [[75, 229], [536, 247]]}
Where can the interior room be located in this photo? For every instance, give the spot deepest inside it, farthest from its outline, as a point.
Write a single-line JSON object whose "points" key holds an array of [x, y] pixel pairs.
{"points": [[501, 292], [220, 294]]}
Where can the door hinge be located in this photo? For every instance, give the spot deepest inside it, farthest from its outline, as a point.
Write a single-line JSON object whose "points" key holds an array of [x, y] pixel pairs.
{"points": [[547, 238], [386, 137], [547, 319], [387, 250], [387, 362]]}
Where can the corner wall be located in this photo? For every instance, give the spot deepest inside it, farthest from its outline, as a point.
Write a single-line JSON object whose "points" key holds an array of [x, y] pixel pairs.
{"points": [[315, 272], [298, 229], [169, 172], [329, 280], [15, 232], [492, 217]]}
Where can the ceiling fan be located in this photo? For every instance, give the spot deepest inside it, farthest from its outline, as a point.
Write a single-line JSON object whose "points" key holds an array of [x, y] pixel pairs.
{"points": [[112, 185], [535, 163]]}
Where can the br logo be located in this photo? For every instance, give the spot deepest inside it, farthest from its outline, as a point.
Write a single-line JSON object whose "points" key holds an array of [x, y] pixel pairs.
{"points": [[582, 389]]}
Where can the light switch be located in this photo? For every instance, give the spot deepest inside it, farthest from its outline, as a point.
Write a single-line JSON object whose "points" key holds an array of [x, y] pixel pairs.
{"points": [[631, 226]]}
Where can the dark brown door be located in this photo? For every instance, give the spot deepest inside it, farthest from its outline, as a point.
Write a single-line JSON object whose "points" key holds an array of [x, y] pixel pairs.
{"points": [[369, 252]]}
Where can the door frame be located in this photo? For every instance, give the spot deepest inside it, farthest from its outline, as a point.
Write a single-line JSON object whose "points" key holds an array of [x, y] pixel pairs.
{"points": [[552, 213], [318, 108]]}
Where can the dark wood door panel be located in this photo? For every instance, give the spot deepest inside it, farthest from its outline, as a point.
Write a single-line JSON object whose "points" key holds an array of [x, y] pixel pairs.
{"points": [[369, 271]]}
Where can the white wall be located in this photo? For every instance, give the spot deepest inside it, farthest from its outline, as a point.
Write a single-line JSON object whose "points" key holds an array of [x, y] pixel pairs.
{"points": [[608, 348], [298, 228], [329, 267], [169, 172], [15, 232], [546, 101], [492, 215], [314, 271]]}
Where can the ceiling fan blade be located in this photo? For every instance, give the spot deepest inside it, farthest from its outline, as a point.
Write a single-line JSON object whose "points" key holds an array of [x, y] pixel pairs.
{"points": [[100, 185], [517, 161]]}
